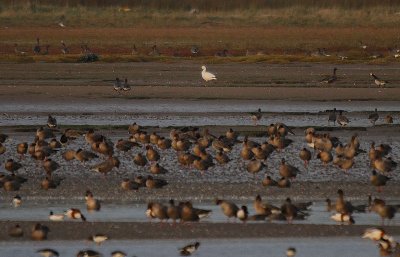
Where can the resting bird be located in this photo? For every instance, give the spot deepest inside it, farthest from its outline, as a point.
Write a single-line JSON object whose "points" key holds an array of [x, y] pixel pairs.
{"points": [[379, 82], [189, 249], [51, 122], [330, 79]]}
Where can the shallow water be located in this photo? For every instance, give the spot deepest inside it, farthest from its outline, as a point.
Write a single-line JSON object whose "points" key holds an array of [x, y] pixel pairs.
{"points": [[136, 213], [305, 247]]}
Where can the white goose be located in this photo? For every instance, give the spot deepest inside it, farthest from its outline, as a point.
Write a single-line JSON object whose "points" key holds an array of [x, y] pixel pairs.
{"points": [[207, 76]]}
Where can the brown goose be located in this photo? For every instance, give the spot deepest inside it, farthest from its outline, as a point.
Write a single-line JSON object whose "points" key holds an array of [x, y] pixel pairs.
{"points": [[49, 166], [164, 143], [173, 211], [84, 156], [106, 166], [92, 204], [50, 183], [378, 180], [39, 232], [127, 184], [22, 148], [268, 181], [263, 208], [155, 183], [221, 158], [255, 166], [384, 164], [157, 169], [325, 157], [125, 145], [228, 208], [289, 210], [157, 211], [140, 160], [151, 154], [383, 210], [284, 182], [16, 231]]}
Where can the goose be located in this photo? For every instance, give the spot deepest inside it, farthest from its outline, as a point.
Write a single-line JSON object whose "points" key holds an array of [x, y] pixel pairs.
{"points": [[83, 155], [64, 48], [106, 166], [17, 51], [379, 82], [151, 154], [48, 252], [373, 117], [242, 213], [56, 217], [157, 169], [342, 120], [384, 164], [126, 86], [117, 85], [50, 183], [156, 211], [330, 79], [54, 144], [332, 117], [37, 48], [155, 183], [16, 231], [289, 210], [383, 210], [173, 211], [189, 249], [255, 166], [140, 160], [127, 184], [378, 180], [207, 76], [256, 116], [221, 157], [325, 157], [264, 208], [287, 170], [284, 182], [49, 166]]}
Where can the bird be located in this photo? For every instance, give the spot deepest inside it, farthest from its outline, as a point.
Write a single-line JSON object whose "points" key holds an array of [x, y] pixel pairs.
{"points": [[118, 254], [117, 85], [332, 117], [98, 238], [17, 51], [12, 165], [342, 218], [228, 208], [194, 50], [88, 253], [17, 201], [126, 86], [287, 170], [39, 232], [291, 252], [342, 120], [207, 76], [48, 252], [56, 217], [189, 249], [75, 214], [64, 48], [379, 82], [37, 47], [389, 119], [92, 204], [373, 117], [378, 180], [330, 79], [155, 183], [256, 116], [305, 155], [242, 213], [15, 231]]}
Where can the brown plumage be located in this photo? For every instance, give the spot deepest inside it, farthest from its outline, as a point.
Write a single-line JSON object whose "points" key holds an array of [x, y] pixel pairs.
{"points": [[127, 184], [284, 183], [84, 156], [50, 183], [221, 157], [157, 211], [378, 180], [383, 210], [3, 149], [255, 166], [305, 155], [173, 211], [39, 232], [12, 166], [49, 166], [133, 128], [164, 143], [325, 157], [157, 169], [263, 208], [268, 181], [287, 171], [22, 148], [125, 145], [155, 183], [151, 154], [92, 204], [228, 208], [246, 153], [140, 160], [16, 231], [106, 166]]}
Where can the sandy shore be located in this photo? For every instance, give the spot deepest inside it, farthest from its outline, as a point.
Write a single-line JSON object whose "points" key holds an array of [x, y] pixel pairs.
{"points": [[155, 230]]}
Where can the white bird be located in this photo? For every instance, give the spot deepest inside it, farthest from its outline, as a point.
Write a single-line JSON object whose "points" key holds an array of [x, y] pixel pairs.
{"points": [[56, 217], [61, 24], [339, 217], [207, 76]]}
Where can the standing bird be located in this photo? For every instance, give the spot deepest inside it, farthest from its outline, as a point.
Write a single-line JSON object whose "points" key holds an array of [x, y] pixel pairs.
{"points": [[92, 204], [256, 116], [37, 48], [342, 120], [373, 117], [330, 79], [287, 170], [126, 86], [378, 180], [332, 117], [305, 155], [117, 85], [389, 119], [379, 82], [64, 48], [189, 249], [207, 76], [51, 122], [228, 208]]}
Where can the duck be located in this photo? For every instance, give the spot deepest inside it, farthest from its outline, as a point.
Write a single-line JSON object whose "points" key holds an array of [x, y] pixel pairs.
{"points": [[91, 137], [98, 238], [375, 234], [39, 232], [118, 254], [92, 204], [342, 120], [56, 217], [255, 166], [330, 79], [50, 183], [54, 144], [384, 165], [221, 143], [389, 119], [156, 211], [16, 231], [283, 130], [291, 252], [3, 149], [133, 128], [125, 145], [246, 153], [289, 210], [140, 160], [305, 156], [268, 181], [106, 166], [221, 157], [264, 208], [12, 166], [127, 184], [287, 170], [332, 117], [151, 154], [83, 155], [342, 206], [343, 218], [325, 157], [48, 252], [44, 133], [228, 208], [189, 249], [49, 166], [173, 211], [207, 76], [343, 163], [378, 180], [379, 82], [22, 149], [231, 135], [155, 183], [157, 169], [17, 201], [373, 117], [164, 143], [256, 116], [88, 253], [242, 214], [51, 122], [74, 213], [284, 182]]}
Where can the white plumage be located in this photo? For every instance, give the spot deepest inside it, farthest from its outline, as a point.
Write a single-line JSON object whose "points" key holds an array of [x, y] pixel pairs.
{"points": [[207, 76]]}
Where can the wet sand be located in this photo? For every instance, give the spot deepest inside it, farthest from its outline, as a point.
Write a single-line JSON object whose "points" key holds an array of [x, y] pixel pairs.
{"points": [[156, 230]]}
